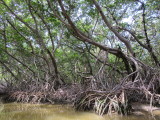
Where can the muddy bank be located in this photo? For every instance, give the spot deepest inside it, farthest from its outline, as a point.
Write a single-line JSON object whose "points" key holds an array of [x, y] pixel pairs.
{"points": [[144, 107]]}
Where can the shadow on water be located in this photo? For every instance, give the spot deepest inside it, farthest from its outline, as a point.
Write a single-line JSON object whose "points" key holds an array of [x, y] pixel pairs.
{"points": [[18, 111]]}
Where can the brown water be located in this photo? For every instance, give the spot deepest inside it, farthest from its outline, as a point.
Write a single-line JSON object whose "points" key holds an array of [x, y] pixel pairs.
{"points": [[17, 111]]}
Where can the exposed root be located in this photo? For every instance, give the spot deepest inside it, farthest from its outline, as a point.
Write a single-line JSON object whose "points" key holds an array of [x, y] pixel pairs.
{"points": [[103, 102], [65, 94], [119, 98]]}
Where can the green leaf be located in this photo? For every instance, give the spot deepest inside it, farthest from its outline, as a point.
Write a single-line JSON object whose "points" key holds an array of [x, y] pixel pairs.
{"points": [[7, 1], [140, 37]]}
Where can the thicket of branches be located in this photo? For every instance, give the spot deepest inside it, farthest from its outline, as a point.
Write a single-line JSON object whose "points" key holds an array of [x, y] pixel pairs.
{"points": [[104, 45]]}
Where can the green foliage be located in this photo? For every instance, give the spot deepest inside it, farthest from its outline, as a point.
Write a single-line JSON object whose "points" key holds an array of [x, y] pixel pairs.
{"points": [[47, 30], [140, 37], [7, 1]]}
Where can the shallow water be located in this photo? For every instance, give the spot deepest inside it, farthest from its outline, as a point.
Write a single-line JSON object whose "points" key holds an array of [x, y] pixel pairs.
{"points": [[17, 111]]}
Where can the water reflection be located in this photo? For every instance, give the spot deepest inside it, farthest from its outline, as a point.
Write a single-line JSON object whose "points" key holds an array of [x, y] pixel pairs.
{"points": [[16, 111]]}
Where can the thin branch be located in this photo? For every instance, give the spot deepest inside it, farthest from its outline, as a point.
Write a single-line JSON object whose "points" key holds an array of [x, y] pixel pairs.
{"points": [[121, 38], [9, 70], [150, 49]]}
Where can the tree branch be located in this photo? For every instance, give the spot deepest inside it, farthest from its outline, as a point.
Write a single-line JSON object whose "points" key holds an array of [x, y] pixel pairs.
{"points": [[121, 38]]}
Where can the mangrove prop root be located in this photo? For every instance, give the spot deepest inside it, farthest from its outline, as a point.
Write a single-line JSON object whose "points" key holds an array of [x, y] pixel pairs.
{"points": [[119, 98]]}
